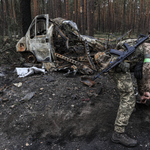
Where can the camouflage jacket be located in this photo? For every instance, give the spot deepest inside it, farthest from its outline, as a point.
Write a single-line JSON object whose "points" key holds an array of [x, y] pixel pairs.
{"points": [[142, 53]]}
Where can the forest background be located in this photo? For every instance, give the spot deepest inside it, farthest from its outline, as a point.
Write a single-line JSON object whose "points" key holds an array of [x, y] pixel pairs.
{"points": [[92, 16]]}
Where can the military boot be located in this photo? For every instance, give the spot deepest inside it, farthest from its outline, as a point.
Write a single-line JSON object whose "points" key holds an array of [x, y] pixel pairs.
{"points": [[123, 139]]}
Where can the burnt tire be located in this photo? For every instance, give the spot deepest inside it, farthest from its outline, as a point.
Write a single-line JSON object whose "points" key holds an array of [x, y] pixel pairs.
{"points": [[29, 57]]}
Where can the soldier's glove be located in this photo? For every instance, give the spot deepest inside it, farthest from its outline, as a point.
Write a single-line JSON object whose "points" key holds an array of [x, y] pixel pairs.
{"points": [[123, 67], [138, 70]]}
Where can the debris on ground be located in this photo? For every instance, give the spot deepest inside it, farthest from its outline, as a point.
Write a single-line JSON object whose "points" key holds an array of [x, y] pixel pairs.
{"points": [[24, 72], [87, 81], [27, 97], [18, 84]]}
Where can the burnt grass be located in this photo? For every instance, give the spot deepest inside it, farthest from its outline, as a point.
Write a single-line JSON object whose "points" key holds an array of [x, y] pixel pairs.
{"points": [[64, 114]]}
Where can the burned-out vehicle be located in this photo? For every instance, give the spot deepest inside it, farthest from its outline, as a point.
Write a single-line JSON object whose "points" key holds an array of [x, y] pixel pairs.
{"points": [[48, 40], [37, 45]]}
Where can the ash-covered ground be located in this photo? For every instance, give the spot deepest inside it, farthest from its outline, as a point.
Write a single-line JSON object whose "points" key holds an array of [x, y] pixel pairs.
{"points": [[63, 114]]}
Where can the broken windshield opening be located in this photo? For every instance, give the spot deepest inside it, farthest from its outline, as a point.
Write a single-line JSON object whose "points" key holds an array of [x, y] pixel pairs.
{"points": [[38, 28]]}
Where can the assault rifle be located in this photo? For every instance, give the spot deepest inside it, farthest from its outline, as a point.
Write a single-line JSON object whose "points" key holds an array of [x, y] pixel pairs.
{"points": [[123, 55]]}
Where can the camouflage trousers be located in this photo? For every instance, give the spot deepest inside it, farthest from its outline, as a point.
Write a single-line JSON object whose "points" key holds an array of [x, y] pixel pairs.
{"points": [[127, 99]]}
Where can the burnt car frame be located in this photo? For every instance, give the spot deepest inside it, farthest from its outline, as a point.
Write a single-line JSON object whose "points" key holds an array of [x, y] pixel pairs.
{"points": [[46, 36]]}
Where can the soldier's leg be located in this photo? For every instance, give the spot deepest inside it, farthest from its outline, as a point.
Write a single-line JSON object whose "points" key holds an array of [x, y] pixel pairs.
{"points": [[127, 100]]}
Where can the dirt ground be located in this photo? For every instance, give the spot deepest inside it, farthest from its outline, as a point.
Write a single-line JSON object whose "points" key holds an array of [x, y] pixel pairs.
{"points": [[63, 114]]}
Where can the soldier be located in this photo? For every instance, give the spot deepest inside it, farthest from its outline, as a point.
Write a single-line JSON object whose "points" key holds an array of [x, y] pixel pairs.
{"points": [[140, 62]]}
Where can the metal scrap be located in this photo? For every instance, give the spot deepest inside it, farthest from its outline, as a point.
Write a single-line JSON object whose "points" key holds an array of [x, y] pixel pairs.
{"points": [[84, 69], [89, 57], [87, 81], [23, 72], [18, 84]]}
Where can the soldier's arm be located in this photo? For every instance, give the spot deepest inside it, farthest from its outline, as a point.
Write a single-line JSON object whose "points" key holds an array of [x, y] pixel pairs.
{"points": [[144, 83]]}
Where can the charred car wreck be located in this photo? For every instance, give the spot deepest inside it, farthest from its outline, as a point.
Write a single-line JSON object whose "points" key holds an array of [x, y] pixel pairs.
{"points": [[58, 42]]}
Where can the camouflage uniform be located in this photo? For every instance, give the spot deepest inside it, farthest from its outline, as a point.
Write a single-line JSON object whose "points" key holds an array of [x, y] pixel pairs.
{"points": [[124, 81]]}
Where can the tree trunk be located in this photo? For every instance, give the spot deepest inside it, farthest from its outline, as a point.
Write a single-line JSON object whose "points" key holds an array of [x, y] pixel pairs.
{"points": [[105, 16], [79, 20], [88, 17], [92, 18], [140, 18], [132, 14], [143, 15], [64, 8], [135, 15], [26, 15], [110, 12], [116, 16], [99, 16], [14, 14], [85, 17], [120, 15], [52, 9], [55, 8], [35, 7], [59, 8], [82, 16], [147, 18], [2, 20], [123, 19], [113, 17], [5, 15], [67, 16], [108, 17]]}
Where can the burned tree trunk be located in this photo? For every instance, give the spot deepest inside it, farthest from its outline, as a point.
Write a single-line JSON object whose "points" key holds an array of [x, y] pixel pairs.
{"points": [[26, 14], [59, 8], [123, 19], [92, 18], [1, 19], [108, 16], [35, 7], [14, 13], [113, 17], [147, 18], [88, 17], [4, 18], [55, 8], [64, 7], [82, 16], [67, 9], [79, 20], [85, 17], [75, 11]]}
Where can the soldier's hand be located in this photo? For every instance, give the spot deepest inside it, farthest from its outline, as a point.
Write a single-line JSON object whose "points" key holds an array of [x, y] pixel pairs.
{"points": [[145, 97]]}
